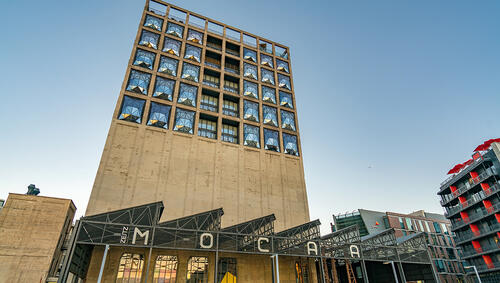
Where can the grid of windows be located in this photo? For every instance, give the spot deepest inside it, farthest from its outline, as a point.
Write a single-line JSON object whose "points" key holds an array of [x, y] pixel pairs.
{"points": [[264, 66], [197, 270], [165, 269], [130, 268]]}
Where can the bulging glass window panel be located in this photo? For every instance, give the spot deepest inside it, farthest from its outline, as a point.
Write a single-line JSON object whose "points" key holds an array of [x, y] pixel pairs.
{"points": [[290, 144], [175, 29], [187, 95], [287, 120], [144, 59], [159, 115], [282, 66], [184, 121], [191, 72], [267, 76], [251, 111], [251, 136], [286, 99], [249, 71], [193, 53], [271, 140], [149, 39], [266, 60], [164, 88], [168, 66], [284, 81], [249, 54], [250, 89], [172, 46], [153, 22], [138, 82], [270, 116], [195, 36], [131, 109], [268, 94]]}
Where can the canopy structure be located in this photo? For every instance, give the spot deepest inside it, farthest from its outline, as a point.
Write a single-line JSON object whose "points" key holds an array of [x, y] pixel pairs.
{"points": [[140, 227]]}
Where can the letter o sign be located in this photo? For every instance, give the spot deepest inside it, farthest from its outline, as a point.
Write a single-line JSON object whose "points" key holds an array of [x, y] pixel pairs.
{"points": [[203, 237]]}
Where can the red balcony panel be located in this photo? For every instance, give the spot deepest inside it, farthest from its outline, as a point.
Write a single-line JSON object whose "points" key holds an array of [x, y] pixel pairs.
{"points": [[474, 229], [462, 199], [477, 246], [485, 186], [474, 175], [498, 234], [465, 216], [453, 189], [497, 216], [488, 261]]}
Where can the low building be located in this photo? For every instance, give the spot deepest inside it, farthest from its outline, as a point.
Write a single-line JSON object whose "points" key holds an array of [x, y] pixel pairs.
{"points": [[32, 232], [471, 199], [436, 228]]}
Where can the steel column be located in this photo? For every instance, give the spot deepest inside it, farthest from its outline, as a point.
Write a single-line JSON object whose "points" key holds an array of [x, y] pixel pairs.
{"points": [[103, 263]]}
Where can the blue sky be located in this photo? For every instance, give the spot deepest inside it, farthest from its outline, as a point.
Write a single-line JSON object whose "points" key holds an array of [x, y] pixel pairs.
{"points": [[390, 94]]}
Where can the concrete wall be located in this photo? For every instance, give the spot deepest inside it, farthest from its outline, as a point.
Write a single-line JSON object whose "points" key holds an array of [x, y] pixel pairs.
{"points": [[250, 268], [32, 231], [191, 174]]}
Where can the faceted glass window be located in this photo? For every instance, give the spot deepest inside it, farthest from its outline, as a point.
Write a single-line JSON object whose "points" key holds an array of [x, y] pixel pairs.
{"points": [[172, 46], [159, 115], [284, 81], [191, 72], [280, 51], [132, 109], [165, 269], [282, 66], [164, 88], [270, 116], [149, 39], [138, 82], [184, 121], [175, 29], [153, 22], [168, 66], [249, 71], [251, 135], [193, 53], [268, 94], [144, 59], [290, 144], [195, 36], [287, 120], [271, 140], [250, 111], [286, 99], [207, 128], [249, 54], [187, 95], [130, 268], [250, 89], [266, 60], [267, 76], [197, 271]]}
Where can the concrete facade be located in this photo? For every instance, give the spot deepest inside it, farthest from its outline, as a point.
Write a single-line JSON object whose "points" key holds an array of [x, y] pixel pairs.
{"points": [[192, 173], [32, 233]]}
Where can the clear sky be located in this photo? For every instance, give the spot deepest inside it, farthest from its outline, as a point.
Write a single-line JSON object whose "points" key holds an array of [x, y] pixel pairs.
{"points": [[390, 94]]}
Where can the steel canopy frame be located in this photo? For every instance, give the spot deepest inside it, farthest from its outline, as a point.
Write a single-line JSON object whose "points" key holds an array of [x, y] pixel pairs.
{"points": [[140, 227]]}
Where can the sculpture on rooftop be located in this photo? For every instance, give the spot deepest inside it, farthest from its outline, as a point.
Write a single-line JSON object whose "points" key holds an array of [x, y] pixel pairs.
{"points": [[32, 190]]}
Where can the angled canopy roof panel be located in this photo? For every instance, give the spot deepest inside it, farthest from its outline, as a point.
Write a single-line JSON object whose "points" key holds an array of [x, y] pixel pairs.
{"points": [[383, 238], [306, 231], [347, 235], [146, 215], [259, 226], [204, 221]]}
